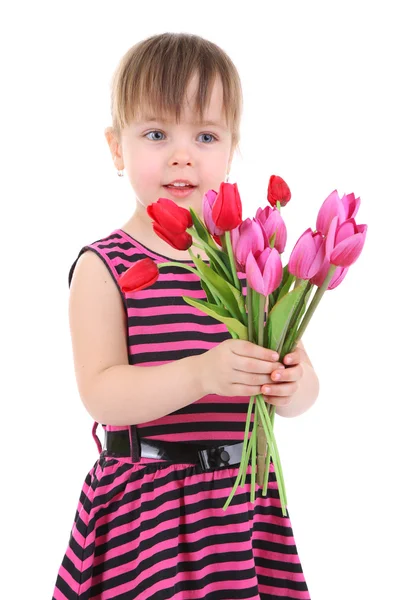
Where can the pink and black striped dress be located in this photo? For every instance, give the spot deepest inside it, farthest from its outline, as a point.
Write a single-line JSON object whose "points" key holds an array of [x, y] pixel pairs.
{"points": [[155, 530]]}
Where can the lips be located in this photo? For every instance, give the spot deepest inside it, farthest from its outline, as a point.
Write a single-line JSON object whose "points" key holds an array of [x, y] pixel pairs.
{"points": [[186, 181]]}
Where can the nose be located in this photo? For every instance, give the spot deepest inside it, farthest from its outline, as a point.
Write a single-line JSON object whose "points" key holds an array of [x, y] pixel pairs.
{"points": [[181, 160], [181, 155]]}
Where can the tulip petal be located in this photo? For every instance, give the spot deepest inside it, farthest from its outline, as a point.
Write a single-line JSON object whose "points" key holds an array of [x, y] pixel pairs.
{"points": [[253, 274], [331, 207], [273, 271], [347, 251]]}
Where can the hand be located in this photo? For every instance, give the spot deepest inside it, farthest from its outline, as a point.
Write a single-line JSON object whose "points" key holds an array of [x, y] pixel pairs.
{"points": [[236, 368], [284, 382]]}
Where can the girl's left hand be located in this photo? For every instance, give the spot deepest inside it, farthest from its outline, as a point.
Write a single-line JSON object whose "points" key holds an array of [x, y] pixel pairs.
{"points": [[284, 382]]}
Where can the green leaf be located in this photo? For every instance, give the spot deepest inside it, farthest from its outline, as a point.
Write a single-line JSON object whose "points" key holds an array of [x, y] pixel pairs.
{"points": [[256, 309], [279, 317], [220, 314], [201, 230], [288, 345], [230, 296], [209, 294], [285, 287]]}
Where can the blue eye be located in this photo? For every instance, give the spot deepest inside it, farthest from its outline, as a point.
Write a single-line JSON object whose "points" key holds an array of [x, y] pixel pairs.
{"points": [[159, 140], [210, 134], [155, 131]]}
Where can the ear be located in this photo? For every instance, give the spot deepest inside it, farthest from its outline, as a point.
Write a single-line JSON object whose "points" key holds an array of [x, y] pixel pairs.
{"points": [[115, 147]]}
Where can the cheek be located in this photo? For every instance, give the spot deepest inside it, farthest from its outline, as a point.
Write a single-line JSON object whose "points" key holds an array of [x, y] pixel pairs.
{"points": [[144, 171]]}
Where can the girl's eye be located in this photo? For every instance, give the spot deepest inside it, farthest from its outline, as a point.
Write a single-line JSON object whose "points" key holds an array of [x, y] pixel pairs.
{"points": [[150, 132], [158, 139]]}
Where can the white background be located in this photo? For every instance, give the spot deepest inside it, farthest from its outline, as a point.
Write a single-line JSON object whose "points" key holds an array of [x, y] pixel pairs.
{"points": [[321, 109]]}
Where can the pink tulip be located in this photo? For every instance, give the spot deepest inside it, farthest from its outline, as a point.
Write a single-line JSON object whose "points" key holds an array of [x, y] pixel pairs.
{"points": [[265, 273], [344, 208], [247, 237], [271, 221], [208, 203], [308, 255], [338, 276], [344, 242]]}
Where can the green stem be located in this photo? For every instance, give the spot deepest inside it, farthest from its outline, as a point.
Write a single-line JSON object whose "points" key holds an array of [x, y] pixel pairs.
{"points": [[250, 312], [232, 259], [268, 459], [253, 460], [264, 414], [314, 303], [261, 435], [212, 251], [245, 457]]}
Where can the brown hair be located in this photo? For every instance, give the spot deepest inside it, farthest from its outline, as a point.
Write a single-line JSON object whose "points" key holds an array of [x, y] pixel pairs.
{"points": [[156, 71]]}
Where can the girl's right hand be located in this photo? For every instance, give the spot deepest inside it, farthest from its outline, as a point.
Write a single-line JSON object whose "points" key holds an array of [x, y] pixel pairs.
{"points": [[237, 368]]}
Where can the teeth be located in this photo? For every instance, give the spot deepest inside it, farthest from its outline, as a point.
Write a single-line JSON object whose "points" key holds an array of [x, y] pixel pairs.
{"points": [[179, 184]]}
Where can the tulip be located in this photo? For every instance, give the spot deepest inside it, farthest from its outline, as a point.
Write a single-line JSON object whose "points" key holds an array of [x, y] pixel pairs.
{"points": [[344, 242], [272, 222], [337, 277], [248, 237], [227, 208], [139, 276], [208, 203], [264, 275], [308, 255], [344, 208], [278, 191], [179, 241], [169, 216]]}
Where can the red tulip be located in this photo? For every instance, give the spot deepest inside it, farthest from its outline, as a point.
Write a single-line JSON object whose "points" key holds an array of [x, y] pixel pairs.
{"points": [[227, 208], [139, 276], [308, 255], [168, 215], [179, 241], [278, 190]]}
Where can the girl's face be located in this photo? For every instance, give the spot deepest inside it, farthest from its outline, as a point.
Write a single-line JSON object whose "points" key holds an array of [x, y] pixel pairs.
{"points": [[155, 153]]}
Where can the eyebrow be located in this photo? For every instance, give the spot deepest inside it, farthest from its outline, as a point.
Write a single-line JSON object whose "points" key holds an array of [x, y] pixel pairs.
{"points": [[150, 118]]}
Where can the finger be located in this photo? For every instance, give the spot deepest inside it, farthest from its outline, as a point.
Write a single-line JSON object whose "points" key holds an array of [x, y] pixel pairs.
{"points": [[288, 374], [277, 401], [279, 389], [253, 365], [293, 357]]}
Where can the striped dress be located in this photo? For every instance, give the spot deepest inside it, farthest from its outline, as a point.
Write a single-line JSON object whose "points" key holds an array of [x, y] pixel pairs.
{"points": [[152, 529]]}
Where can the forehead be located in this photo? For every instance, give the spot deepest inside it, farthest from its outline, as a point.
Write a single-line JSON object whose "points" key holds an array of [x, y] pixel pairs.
{"points": [[214, 113]]}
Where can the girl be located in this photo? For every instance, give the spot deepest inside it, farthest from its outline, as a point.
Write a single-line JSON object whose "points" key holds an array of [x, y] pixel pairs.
{"points": [[168, 383]]}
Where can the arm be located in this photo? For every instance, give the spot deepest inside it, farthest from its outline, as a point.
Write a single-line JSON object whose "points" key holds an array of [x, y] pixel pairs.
{"points": [[113, 391], [307, 390]]}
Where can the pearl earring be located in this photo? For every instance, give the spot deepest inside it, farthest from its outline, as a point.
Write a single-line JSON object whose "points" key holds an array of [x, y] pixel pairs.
{"points": [[120, 173]]}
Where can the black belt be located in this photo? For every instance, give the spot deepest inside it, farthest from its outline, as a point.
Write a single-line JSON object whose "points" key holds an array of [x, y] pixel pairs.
{"points": [[117, 443]]}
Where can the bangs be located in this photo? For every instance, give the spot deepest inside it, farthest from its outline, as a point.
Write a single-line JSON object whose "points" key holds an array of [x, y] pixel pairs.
{"points": [[153, 78]]}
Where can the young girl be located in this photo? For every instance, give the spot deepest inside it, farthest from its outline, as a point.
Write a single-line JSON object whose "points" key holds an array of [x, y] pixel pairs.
{"points": [[168, 383]]}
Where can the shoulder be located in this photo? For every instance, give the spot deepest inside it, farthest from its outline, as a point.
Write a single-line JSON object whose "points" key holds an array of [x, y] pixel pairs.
{"points": [[111, 251], [93, 282]]}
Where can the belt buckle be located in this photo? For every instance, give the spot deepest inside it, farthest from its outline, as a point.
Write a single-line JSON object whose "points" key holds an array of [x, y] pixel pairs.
{"points": [[214, 457]]}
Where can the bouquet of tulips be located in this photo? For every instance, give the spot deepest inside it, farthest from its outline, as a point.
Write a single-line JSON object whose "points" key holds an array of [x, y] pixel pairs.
{"points": [[278, 305]]}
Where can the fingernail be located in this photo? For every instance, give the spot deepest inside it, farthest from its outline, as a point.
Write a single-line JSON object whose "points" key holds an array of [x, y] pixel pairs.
{"points": [[266, 390], [288, 359]]}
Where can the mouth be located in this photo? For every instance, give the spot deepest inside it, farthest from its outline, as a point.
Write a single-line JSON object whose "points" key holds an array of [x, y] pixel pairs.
{"points": [[180, 192]]}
